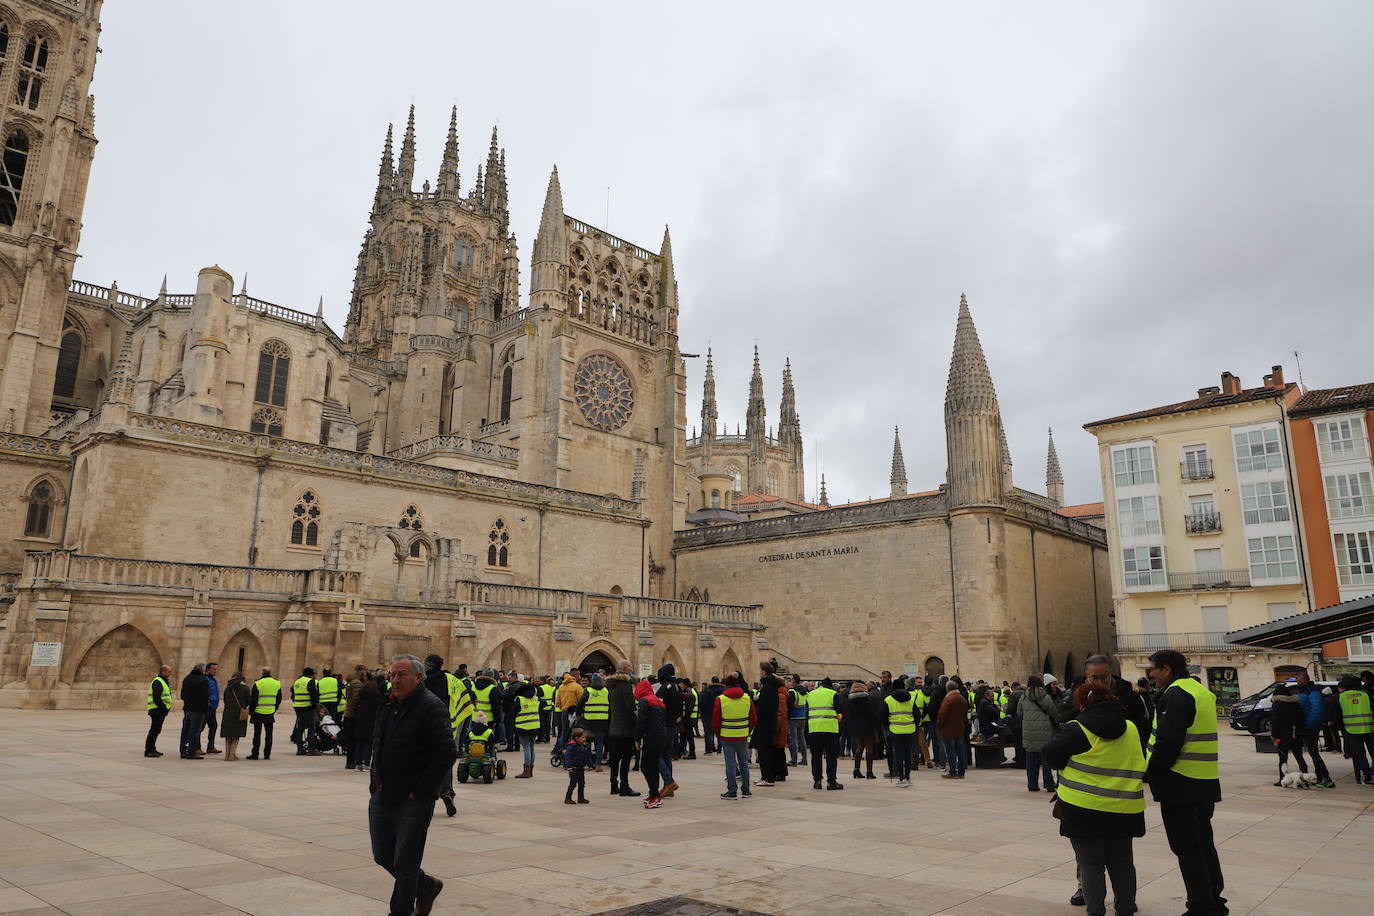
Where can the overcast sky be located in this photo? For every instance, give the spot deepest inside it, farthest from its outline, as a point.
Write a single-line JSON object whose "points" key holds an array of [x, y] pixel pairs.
{"points": [[1135, 197]]}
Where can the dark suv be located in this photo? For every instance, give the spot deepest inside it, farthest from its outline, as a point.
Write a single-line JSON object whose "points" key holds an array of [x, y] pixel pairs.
{"points": [[1252, 713]]}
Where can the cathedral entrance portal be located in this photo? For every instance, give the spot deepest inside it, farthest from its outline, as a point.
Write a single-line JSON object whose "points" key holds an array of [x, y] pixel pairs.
{"points": [[597, 660]]}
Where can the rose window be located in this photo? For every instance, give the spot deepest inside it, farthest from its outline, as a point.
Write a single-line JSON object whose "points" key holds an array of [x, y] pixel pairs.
{"points": [[604, 392]]}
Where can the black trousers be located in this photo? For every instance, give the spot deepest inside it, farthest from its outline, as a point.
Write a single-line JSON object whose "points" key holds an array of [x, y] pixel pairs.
{"points": [[577, 779], [155, 719], [545, 719], [1309, 737], [1189, 828], [827, 745], [772, 764], [211, 721], [259, 724], [1097, 858], [621, 750], [306, 732], [650, 755], [899, 754], [398, 835]]}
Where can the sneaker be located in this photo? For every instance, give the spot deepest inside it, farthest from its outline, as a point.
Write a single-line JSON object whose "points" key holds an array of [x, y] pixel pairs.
{"points": [[1326, 783], [730, 795], [653, 803], [762, 782], [746, 795], [905, 783], [1077, 899]]}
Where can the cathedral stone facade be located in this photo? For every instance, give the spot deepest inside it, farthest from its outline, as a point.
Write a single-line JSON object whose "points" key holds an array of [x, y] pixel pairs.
{"points": [[504, 478]]}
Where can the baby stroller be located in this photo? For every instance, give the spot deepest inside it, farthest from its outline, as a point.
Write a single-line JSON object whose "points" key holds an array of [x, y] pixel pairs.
{"points": [[327, 735], [481, 763]]}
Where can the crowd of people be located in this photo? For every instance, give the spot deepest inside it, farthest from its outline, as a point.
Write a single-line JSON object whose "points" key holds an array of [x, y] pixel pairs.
{"points": [[1095, 743]]}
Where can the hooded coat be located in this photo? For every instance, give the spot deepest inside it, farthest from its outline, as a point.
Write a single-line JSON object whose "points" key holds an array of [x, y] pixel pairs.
{"points": [[860, 713], [651, 723], [771, 730], [1106, 720], [568, 694], [670, 694], [733, 693], [1039, 717], [621, 699]]}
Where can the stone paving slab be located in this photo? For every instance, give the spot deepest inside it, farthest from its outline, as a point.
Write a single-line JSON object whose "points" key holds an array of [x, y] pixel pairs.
{"points": [[88, 825]]}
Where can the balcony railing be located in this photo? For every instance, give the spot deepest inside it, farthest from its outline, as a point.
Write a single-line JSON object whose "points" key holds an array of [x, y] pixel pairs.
{"points": [[1202, 522], [1182, 642], [1197, 469], [1209, 579]]}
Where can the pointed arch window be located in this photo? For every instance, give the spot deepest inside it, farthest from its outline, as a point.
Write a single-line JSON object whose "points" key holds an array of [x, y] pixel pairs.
{"points": [[417, 549], [737, 481], [266, 420], [507, 384], [410, 519], [464, 253], [14, 162], [68, 362], [274, 368], [38, 519], [28, 90], [4, 42], [498, 544], [305, 520]]}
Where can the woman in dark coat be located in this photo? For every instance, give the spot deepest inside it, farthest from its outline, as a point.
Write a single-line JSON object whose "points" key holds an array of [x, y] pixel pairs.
{"points": [[861, 715], [651, 728], [234, 724], [1101, 838], [770, 735]]}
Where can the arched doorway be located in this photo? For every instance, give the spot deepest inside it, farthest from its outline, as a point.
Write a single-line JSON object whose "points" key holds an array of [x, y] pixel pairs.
{"points": [[118, 663], [729, 663], [935, 666], [243, 653], [597, 661], [510, 656], [1069, 669], [1048, 667]]}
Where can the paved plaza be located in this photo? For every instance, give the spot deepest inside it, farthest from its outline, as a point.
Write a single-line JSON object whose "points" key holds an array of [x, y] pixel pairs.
{"points": [[88, 825]]}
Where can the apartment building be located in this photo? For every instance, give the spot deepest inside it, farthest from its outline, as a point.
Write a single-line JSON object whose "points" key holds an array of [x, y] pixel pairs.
{"points": [[1202, 531], [1331, 457]]}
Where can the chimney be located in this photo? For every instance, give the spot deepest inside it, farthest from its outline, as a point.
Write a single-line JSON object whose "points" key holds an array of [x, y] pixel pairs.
{"points": [[1208, 392], [1276, 378], [1229, 384]]}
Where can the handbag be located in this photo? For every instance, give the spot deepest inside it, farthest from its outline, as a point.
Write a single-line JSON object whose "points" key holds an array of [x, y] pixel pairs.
{"points": [[1057, 808], [243, 715]]}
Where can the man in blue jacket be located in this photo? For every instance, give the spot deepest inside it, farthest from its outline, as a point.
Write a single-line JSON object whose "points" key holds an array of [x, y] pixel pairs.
{"points": [[211, 672], [1313, 715]]}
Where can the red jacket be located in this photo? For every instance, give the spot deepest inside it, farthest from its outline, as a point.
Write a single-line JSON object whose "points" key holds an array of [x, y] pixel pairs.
{"points": [[733, 693]]}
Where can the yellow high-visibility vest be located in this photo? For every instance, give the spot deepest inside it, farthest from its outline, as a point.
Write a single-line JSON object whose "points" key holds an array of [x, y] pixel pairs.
{"points": [[1109, 776], [153, 693], [820, 712], [901, 717], [459, 701], [482, 696], [300, 692], [1355, 713], [269, 695], [527, 717], [1198, 759], [329, 691], [734, 716], [598, 705]]}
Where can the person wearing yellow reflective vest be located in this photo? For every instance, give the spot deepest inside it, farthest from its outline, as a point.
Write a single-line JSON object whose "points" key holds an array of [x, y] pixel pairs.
{"points": [[1357, 722], [796, 720], [1102, 795], [159, 704], [1184, 778], [823, 732], [263, 701], [330, 694], [918, 693], [486, 699], [546, 694], [733, 719], [594, 715], [526, 708], [305, 700], [899, 718]]}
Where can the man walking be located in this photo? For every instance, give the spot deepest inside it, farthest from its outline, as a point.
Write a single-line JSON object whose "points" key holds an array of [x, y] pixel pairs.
{"points": [[195, 703], [823, 731], [1310, 728], [305, 700], [620, 699], [733, 719], [412, 748], [211, 721], [1184, 778], [159, 704], [263, 701]]}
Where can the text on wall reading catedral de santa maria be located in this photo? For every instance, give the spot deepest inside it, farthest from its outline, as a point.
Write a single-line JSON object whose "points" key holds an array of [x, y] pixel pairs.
{"points": [[809, 554]]}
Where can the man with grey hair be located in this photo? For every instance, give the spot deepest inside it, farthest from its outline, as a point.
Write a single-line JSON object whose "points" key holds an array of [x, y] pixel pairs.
{"points": [[195, 706], [412, 749], [1098, 668]]}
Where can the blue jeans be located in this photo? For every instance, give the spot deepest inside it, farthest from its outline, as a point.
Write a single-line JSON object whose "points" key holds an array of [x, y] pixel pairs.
{"points": [[398, 844], [665, 763], [736, 764], [796, 740], [1036, 765], [937, 744], [191, 725], [596, 740], [527, 745], [954, 755]]}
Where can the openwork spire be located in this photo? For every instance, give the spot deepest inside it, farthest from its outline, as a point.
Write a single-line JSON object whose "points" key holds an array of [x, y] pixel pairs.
{"points": [[386, 172], [970, 382], [448, 169], [898, 478], [754, 425], [1054, 476], [492, 190], [121, 387], [789, 424], [709, 417], [405, 171], [825, 497], [667, 274], [551, 242]]}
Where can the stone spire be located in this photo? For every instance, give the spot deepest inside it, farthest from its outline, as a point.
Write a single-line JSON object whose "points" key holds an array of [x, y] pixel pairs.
{"points": [[754, 426], [825, 498], [973, 422], [448, 169], [666, 314], [638, 480], [405, 170], [789, 424], [709, 417], [550, 248], [386, 172], [1054, 477], [1006, 458], [121, 387], [898, 478], [493, 187]]}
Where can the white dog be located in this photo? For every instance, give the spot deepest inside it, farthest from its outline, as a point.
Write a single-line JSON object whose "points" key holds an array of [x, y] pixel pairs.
{"points": [[1291, 779]]}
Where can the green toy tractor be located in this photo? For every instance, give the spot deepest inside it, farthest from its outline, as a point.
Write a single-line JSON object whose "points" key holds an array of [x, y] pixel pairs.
{"points": [[480, 763]]}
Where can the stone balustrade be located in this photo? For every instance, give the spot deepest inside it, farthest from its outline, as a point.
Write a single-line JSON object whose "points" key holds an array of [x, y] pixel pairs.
{"points": [[33, 445], [463, 445], [491, 596]]}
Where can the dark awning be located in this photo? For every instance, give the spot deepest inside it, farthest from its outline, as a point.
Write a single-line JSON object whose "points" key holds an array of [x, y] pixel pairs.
{"points": [[1309, 631]]}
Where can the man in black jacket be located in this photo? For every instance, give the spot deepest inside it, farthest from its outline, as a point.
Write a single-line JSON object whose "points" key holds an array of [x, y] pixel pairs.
{"points": [[1186, 803], [195, 706], [671, 696], [412, 747]]}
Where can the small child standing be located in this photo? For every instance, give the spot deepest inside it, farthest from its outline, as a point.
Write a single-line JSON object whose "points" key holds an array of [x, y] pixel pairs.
{"points": [[576, 758]]}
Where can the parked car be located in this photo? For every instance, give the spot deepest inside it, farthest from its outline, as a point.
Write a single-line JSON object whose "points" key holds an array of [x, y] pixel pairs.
{"points": [[1252, 713]]}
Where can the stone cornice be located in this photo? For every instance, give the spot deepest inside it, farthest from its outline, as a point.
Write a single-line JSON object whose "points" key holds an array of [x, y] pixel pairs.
{"points": [[876, 514]]}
